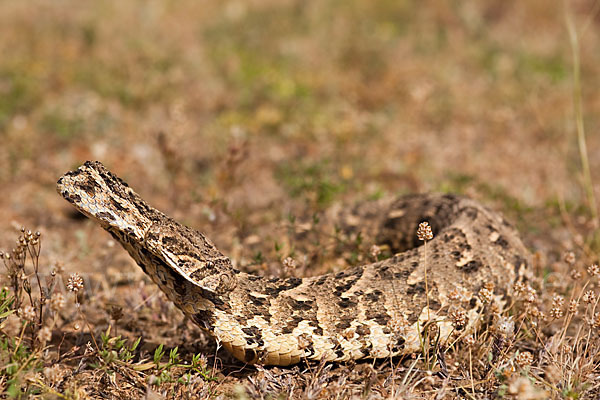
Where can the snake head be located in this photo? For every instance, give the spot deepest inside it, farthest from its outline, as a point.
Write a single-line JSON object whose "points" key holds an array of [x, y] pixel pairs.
{"points": [[105, 198]]}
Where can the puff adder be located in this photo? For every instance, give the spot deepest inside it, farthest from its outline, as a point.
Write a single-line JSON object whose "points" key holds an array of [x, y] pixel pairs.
{"points": [[372, 311]]}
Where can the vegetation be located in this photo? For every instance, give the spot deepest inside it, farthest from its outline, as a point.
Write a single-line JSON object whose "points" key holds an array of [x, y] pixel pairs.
{"points": [[248, 121]]}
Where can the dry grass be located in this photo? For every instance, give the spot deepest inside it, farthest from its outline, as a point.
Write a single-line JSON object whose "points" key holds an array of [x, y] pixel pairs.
{"points": [[247, 120]]}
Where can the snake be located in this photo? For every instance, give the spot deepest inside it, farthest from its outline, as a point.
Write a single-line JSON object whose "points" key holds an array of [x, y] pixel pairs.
{"points": [[386, 308]]}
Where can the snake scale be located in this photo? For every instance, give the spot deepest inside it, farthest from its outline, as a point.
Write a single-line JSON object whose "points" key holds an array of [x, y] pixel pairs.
{"points": [[377, 310]]}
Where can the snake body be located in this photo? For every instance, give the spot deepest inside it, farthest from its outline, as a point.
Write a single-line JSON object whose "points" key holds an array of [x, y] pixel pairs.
{"points": [[377, 310]]}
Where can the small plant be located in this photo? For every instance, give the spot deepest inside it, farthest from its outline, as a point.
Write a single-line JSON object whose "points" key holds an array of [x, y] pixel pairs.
{"points": [[114, 350], [165, 371], [20, 364], [6, 305], [21, 352], [317, 181]]}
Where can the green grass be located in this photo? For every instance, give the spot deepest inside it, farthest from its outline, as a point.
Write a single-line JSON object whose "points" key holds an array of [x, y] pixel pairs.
{"points": [[316, 181]]}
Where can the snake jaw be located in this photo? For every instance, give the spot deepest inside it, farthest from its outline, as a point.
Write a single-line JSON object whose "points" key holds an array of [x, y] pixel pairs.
{"points": [[98, 194]]}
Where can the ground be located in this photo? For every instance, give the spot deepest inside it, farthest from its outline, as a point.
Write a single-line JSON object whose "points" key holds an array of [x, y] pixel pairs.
{"points": [[247, 120]]}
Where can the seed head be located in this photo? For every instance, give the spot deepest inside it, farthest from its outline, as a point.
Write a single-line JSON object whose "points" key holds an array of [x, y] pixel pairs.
{"points": [[57, 302], [27, 313], [469, 340], [424, 232], [289, 262], [558, 303], [589, 297], [524, 359], [486, 295], [596, 321], [375, 251], [521, 388], [575, 274], [52, 373], [525, 292], [89, 349], [75, 282], [459, 319], [519, 288], [533, 311], [569, 257], [593, 270], [44, 335], [506, 326], [58, 265], [460, 294], [573, 306]]}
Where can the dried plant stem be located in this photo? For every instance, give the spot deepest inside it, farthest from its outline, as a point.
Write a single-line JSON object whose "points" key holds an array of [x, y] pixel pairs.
{"points": [[87, 324], [425, 273], [35, 249], [569, 317], [578, 108], [471, 372], [425, 234], [20, 339]]}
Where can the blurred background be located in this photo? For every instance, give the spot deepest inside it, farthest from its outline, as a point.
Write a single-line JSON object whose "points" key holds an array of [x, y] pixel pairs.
{"points": [[249, 119], [229, 115]]}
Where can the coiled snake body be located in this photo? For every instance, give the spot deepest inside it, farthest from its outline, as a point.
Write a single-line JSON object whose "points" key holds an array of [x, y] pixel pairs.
{"points": [[372, 311]]}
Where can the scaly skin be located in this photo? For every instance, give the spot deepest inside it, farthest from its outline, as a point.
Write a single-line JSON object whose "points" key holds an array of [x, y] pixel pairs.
{"points": [[372, 311]]}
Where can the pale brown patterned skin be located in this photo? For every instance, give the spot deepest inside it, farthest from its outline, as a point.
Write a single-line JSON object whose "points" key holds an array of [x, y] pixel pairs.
{"points": [[372, 311]]}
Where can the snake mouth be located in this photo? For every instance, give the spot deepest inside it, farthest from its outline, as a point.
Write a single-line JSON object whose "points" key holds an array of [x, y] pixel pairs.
{"points": [[98, 194], [77, 184]]}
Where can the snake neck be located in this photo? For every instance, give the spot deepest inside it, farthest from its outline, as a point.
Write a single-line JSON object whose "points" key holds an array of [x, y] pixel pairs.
{"points": [[155, 241]]}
